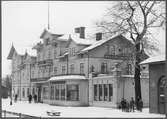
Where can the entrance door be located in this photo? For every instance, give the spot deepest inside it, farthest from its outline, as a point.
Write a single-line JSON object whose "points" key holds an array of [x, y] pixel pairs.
{"points": [[161, 95]]}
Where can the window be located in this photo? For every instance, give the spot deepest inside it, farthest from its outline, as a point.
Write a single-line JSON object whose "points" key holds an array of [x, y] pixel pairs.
{"points": [[57, 92], [55, 70], [105, 92], [55, 54], [63, 69], [72, 68], [43, 55], [49, 54], [23, 93], [112, 50], [62, 88], [100, 92], [95, 93], [73, 92], [104, 68], [47, 41], [110, 92], [129, 69], [32, 74], [28, 91], [81, 68], [73, 51], [45, 92], [52, 92]]}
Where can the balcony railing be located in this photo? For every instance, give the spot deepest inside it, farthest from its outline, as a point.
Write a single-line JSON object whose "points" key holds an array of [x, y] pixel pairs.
{"points": [[46, 62], [119, 56]]}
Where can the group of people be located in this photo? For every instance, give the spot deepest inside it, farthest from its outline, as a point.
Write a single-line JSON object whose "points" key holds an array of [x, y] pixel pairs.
{"points": [[130, 106], [30, 98]]}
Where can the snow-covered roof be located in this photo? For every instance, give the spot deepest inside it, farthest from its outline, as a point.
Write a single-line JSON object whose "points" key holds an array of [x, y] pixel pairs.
{"points": [[81, 41], [21, 51], [67, 77], [154, 59], [97, 43]]}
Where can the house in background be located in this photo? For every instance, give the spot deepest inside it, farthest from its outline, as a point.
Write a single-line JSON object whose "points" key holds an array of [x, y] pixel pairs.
{"points": [[157, 83], [71, 70]]}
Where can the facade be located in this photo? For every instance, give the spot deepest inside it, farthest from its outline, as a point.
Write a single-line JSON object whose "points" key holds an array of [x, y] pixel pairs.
{"points": [[72, 70], [157, 83]]}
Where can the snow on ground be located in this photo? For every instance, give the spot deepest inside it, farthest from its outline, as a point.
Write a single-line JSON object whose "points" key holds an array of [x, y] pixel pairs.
{"points": [[39, 109]]}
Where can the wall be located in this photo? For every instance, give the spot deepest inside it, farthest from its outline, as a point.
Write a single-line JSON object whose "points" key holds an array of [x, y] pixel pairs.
{"points": [[126, 90], [155, 72]]}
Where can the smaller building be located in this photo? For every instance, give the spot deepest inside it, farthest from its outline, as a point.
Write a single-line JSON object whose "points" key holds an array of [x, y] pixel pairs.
{"points": [[65, 90], [157, 83]]}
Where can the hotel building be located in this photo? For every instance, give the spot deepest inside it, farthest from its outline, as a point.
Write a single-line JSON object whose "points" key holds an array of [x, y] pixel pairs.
{"points": [[72, 70]]}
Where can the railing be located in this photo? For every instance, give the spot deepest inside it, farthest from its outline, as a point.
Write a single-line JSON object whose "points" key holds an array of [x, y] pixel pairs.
{"points": [[119, 56], [20, 115], [46, 62]]}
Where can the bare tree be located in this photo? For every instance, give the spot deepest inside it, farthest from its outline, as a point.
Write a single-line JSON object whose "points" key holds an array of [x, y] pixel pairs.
{"points": [[136, 18]]}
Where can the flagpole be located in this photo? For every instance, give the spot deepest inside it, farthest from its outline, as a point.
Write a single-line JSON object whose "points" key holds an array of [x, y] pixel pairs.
{"points": [[48, 15]]}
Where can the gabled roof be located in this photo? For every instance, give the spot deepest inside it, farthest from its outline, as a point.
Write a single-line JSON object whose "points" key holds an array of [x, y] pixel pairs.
{"points": [[49, 32], [22, 53], [155, 59]]}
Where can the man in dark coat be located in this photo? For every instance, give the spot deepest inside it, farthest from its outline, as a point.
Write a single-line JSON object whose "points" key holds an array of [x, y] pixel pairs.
{"points": [[35, 98], [30, 98], [132, 105], [15, 99], [140, 105]]}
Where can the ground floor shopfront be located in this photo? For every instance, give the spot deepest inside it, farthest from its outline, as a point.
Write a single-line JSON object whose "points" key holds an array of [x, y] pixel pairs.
{"points": [[104, 91], [64, 91], [107, 91]]}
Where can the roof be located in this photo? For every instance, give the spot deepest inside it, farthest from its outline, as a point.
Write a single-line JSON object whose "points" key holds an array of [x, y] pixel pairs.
{"points": [[155, 59], [22, 52], [81, 41], [50, 31], [12, 50], [98, 43], [67, 77]]}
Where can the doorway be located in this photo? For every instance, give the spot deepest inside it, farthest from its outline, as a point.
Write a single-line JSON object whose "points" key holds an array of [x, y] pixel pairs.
{"points": [[161, 95]]}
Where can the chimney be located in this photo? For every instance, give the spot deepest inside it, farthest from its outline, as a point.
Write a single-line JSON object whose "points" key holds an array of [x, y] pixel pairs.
{"points": [[98, 36], [81, 31]]}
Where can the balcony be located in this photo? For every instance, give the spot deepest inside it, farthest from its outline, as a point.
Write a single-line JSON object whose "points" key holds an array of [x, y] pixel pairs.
{"points": [[45, 62], [119, 56]]}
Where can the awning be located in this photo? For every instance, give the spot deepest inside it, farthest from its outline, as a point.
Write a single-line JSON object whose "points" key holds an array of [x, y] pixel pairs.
{"points": [[67, 77]]}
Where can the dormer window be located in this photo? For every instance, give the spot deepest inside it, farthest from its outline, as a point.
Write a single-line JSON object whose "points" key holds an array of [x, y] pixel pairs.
{"points": [[47, 41]]}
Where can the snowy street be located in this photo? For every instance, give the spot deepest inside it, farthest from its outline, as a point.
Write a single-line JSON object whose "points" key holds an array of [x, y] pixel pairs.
{"points": [[38, 109]]}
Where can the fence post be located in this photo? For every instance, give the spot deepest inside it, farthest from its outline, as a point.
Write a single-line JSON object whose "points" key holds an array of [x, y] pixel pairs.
{"points": [[19, 115]]}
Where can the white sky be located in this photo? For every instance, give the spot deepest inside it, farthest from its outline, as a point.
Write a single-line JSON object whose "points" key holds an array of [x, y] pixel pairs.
{"points": [[24, 21]]}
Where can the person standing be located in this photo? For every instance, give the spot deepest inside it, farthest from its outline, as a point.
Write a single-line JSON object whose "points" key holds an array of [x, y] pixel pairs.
{"points": [[30, 98], [15, 99], [140, 105], [122, 104], [35, 98], [132, 105]]}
